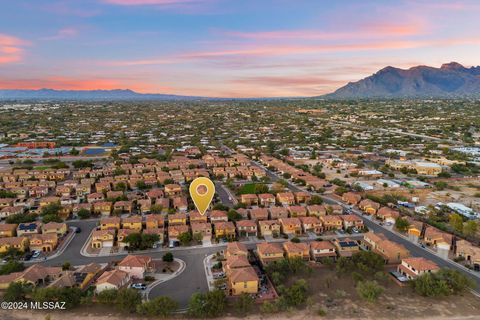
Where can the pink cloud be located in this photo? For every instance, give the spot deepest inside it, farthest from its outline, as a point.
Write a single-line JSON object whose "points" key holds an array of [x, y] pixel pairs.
{"points": [[11, 49], [72, 83]]}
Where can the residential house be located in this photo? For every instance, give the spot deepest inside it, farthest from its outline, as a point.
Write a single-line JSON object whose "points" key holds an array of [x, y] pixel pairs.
{"points": [[269, 228], [247, 228], [297, 211], [18, 243], [110, 223], [197, 217], [154, 221], [43, 242], [115, 279], [102, 207], [387, 215], [243, 280], [346, 247], [249, 199], [311, 224], [136, 266], [437, 238], [29, 228], [173, 189], [8, 230], [203, 228], [218, 216], [331, 222], [316, 210], [224, 230], [59, 229], [133, 222], [369, 206], [416, 266], [352, 198], [278, 212], [236, 248], [269, 252], [177, 219], [302, 197], [352, 221], [291, 226], [286, 198], [469, 252], [103, 238], [258, 214], [266, 199], [296, 250], [320, 250], [174, 231]]}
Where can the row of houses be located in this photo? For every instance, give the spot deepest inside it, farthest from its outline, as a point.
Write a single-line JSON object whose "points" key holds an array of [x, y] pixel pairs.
{"points": [[31, 235]]}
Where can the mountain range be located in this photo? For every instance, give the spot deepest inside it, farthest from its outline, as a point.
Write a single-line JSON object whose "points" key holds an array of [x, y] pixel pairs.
{"points": [[94, 95], [451, 80]]}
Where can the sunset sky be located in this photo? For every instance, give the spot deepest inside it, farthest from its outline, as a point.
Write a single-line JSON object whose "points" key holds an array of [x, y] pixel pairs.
{"points": [[227, 48]]}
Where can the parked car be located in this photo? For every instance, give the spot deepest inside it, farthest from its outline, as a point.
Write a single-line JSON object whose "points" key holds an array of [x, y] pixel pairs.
{"points": [[139, 286], [36, 254], [78, 230]]}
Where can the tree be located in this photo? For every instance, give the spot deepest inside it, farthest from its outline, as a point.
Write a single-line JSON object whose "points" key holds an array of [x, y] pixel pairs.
{"points": [[134, 240], [369, 290], [207, 305], [198, 236], [295, 295], [148, 240], [51, 218], [51, 209], [402, 224], [185, 238], [442, 283], [167, 257], [66, 266], [108, 296], [84, 213], [233, 215], [156, 208], [456, 222], [16, 291], [315, 200], [160, 306], [128, 299], [244, 303], [78, 164], [11, 266], [470, 228], [21, 218]]}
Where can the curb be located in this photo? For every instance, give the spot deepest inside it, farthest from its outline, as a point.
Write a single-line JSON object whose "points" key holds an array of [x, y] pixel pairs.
{"points": [[183, 266]]}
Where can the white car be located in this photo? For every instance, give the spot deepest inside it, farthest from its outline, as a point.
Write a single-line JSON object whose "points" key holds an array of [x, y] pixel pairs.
{"points": [[139, 286]]}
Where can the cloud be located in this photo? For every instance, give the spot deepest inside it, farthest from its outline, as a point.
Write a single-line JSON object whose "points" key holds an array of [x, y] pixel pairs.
{"points": [[11, 49], [65, 33], [74, 83], [154, 2]]}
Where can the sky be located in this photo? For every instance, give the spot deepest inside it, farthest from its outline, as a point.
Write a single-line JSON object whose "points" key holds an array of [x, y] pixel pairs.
{"points": [[227, 48]]}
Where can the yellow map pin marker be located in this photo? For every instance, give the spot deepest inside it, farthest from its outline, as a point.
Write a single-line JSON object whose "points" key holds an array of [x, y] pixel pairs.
{"points": [[202, 190]]}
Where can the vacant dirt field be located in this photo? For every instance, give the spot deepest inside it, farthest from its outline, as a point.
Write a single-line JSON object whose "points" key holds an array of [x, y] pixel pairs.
{"points": [[335, 295]]}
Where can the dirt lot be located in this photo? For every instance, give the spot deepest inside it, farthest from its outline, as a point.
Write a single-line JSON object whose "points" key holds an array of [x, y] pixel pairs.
{"points": [[336, 295]]}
